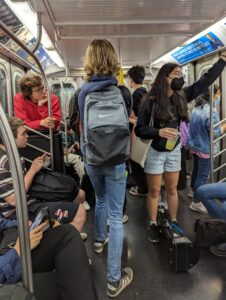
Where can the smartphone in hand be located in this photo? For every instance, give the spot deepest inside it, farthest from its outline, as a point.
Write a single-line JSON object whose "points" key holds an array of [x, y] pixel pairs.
{"points": [[42, 216]]}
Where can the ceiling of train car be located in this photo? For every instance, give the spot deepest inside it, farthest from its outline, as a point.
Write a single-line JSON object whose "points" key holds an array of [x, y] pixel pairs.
{"points": [[141, 30]]}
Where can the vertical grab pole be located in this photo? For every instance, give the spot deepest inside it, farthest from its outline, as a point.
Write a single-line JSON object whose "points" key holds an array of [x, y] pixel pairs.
{"points": [[211, 137], [21, 200]]}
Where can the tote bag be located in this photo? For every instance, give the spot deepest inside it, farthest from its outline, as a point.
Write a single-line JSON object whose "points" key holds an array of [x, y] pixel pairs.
{"points": [[139, 147]]}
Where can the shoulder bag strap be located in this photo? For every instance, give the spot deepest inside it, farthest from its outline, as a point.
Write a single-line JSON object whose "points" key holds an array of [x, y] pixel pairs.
{"points": [[151, 123]]}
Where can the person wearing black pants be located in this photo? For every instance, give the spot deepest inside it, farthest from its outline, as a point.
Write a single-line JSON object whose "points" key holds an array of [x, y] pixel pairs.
{"points": [[136, 79], [62, 250]]}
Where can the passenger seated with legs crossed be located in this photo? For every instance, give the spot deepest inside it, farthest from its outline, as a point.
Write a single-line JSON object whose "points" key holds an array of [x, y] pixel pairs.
{"points": [[60, 249], [213, 197], [66, 212]]}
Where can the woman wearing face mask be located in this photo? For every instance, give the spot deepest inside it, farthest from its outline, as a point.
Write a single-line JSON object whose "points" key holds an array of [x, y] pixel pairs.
{"points": [[169, 101]]}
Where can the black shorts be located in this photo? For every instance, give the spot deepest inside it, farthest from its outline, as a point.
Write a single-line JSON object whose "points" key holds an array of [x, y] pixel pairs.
{"points": [[64, 212]]}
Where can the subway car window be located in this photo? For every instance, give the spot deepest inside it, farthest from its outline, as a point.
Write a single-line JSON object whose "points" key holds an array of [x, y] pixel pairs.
{"points": [[3, 89], [16, 83], [55, 89], [64, 97]]}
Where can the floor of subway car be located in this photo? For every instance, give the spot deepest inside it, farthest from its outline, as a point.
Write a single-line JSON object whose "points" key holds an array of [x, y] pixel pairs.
{"points": [[153, 278]]}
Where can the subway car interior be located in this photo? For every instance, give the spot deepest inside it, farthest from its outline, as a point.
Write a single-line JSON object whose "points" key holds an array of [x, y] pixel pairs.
{"points": [[50, 38]]}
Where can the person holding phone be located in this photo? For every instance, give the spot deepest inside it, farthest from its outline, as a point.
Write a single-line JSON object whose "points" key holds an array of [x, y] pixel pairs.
{"points": [[60, 249], [66, 212]]}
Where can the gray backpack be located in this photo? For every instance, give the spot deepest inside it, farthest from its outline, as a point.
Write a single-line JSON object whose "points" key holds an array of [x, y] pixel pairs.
{"points": [[106, 136], [15, 292]]}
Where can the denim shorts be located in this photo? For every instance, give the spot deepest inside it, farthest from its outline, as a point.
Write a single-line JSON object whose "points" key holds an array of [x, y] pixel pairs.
{"points": [[159, 162]]}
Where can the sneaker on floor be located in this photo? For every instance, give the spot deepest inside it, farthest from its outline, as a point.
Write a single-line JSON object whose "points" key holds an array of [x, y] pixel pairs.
{"points": [[99, 246], [153, 233], [219, 249], [190, 194], [198, 207], [86, 205], [164, 204], [84, 236], [115, 288], [135, 192], [125, 219], [134, 188]]}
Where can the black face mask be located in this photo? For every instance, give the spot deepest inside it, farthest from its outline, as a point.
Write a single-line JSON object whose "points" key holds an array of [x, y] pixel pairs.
{"points": [[177, 83]]}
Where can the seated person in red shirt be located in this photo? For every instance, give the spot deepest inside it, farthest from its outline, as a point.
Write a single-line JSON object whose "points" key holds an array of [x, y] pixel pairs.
{"points": [[31, 105]]}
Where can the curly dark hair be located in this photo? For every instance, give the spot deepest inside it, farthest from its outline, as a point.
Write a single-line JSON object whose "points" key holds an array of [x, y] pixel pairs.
{"points": [[137, 74]]}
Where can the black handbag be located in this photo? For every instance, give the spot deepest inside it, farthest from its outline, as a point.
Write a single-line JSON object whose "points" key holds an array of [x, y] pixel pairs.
{"points": [[210, 232], [53, 186]]}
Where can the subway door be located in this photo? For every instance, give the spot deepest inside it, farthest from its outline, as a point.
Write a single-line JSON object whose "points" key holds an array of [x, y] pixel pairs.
{"points": [[16, 74], [201, 67], [5, 85]]}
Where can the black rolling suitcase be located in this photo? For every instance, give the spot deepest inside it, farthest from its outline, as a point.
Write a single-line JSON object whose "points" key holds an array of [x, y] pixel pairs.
{"points": [[181, 253]]}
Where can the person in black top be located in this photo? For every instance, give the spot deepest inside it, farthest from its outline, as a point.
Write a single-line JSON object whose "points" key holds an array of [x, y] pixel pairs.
{"points": [[169, 102], [136, 78]]}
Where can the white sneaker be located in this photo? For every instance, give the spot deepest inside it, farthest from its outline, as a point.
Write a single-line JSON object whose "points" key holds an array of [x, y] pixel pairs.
{"points": [[86, 205], [198, 207], [84, 236], [164, 204], [99, 246], [191, 194], [115, 288], [125, 219]]}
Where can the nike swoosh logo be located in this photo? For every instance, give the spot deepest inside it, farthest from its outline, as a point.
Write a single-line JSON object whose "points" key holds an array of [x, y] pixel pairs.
{"points": [[104, 116]]}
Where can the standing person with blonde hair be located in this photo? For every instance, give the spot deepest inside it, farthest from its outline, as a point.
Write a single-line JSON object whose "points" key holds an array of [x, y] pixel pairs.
{"points": [[109, 180], [168, 99]]}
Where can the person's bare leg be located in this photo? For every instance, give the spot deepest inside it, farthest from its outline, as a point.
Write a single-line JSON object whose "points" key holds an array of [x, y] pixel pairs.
{"points": [[80, 198], [154, 188], [171, 181], [80, 218]]}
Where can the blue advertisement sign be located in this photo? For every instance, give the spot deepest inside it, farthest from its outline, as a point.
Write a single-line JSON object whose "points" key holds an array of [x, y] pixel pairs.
{"points": [[205, 44], [42, 55]]}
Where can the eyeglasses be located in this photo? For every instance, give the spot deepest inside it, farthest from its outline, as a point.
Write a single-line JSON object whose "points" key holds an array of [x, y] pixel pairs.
{"points": [[41, 89]]}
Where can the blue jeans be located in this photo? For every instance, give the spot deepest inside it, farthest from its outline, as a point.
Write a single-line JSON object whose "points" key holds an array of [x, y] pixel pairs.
{"points": [[200, 173], [208, 194], [109, 184]]}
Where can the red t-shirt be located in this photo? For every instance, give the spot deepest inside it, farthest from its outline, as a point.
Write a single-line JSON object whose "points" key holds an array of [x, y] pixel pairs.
{"points": [[32, 114]]}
